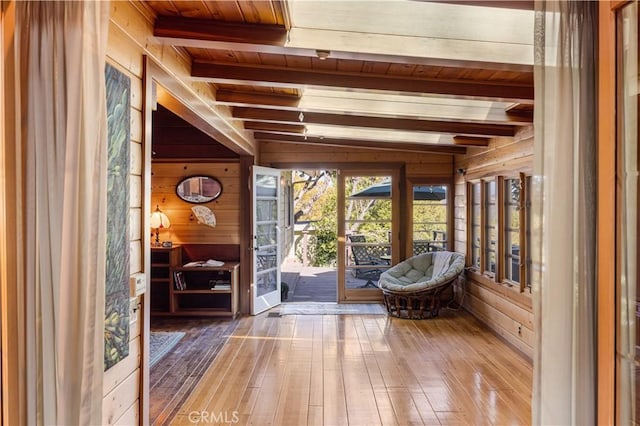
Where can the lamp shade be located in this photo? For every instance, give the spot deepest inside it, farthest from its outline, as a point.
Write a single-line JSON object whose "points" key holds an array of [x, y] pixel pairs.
{"points": [[159, 220]]}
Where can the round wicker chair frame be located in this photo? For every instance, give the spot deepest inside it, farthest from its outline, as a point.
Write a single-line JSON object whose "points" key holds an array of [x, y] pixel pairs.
{"points": [[418, 305]]}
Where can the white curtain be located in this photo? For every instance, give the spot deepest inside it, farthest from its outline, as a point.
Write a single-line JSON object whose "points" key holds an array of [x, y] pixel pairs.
{"points": [[564, 213], [62, 46]]}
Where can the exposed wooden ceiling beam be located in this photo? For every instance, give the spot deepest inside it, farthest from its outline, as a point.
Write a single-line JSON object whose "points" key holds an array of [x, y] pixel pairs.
{"points": [[221, 35], [467, 141], [344, 105], [379, 145], [235, 98], [176, 27], [261, 75], [274, 127], [294, 117], [506, 4]]}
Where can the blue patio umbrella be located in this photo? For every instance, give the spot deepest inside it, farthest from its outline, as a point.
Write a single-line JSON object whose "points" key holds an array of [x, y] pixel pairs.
{"points": [[420, 192]]}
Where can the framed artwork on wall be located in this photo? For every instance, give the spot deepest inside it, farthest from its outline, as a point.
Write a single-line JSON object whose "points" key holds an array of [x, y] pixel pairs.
{"points": [[116, 332]]}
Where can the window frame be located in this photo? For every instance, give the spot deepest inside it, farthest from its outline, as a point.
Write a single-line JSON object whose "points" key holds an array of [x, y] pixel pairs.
{"points": [[526, 267], [470, 225], [522, 230], [484, 241], [499, 276]]}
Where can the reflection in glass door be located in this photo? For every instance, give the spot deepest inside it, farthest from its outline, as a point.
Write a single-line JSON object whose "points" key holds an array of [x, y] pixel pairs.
{"points": [[430, 218], [628, 331], [367, 237], [266, 242]]}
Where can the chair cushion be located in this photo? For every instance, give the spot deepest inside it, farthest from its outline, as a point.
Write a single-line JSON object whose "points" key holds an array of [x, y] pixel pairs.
{"points": [[415, 273]]}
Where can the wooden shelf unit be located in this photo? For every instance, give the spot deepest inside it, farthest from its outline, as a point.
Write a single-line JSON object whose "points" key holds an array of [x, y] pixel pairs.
{"points": [[163, 260], [200, 297]]}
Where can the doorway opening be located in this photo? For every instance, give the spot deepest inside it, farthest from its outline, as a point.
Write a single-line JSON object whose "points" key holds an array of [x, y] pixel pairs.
{"points": [[310, 266]]}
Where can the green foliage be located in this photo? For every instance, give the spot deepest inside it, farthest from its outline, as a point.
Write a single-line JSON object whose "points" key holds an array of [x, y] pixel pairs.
{"points": [[428, 216], [325, 248], [316, 196]]}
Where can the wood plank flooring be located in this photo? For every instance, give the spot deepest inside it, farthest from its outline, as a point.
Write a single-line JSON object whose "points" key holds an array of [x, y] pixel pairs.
{"points": [[362, 370], [174, 377]]}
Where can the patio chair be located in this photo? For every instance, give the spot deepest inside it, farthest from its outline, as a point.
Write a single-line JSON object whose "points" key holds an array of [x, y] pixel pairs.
{"points": [[420, 247], [416, 287], [364, 255]]}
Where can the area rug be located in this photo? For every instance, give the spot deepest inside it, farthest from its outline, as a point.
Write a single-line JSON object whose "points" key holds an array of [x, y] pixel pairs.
{"points": [[161, 342], [332, 309]]}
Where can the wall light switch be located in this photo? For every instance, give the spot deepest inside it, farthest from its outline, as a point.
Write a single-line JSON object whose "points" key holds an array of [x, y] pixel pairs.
{"points": [[137, 284]]}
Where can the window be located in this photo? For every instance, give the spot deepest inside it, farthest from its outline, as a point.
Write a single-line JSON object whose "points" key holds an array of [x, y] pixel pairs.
{"points": [[512, 193], [475, 224], [490, 219], [499, 223]]}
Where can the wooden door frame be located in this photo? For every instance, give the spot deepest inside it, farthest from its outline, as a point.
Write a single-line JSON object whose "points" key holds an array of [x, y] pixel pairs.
{"points": [[12, 297], [606, 224]]}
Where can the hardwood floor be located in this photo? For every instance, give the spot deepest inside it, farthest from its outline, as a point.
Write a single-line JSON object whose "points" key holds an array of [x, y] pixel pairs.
{"points": [[174, 377], [362, 370]]}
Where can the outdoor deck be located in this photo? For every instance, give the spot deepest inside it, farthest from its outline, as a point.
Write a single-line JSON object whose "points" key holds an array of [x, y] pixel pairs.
{"points": [[314, 284]]}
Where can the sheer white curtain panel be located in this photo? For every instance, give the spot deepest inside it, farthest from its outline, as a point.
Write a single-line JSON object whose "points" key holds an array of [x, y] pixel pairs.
{"points": [[62, 47], [564, 213]]}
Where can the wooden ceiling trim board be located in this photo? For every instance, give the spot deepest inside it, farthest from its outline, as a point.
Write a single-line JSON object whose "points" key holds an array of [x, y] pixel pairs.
{"points": [[288, 77], [377, 145], [451, 127], [222, 35]]}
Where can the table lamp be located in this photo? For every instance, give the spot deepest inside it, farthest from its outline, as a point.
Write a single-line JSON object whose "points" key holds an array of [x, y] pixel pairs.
{"points": [[159, 220]]}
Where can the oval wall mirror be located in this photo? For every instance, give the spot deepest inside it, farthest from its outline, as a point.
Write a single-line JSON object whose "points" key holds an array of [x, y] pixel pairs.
{"points": [[199, 189]]}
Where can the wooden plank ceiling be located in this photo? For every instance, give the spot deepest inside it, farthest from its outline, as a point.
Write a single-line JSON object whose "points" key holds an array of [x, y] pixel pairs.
{"points": [[436, 76]]}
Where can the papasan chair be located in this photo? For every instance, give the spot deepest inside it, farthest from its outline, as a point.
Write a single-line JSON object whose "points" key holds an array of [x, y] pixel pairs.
{"points": [[414, 288]]}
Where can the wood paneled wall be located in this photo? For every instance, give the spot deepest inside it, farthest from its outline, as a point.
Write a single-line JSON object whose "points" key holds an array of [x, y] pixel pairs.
{"points": [[293, 155], [504, 309], [122, 381], [184, 227]]}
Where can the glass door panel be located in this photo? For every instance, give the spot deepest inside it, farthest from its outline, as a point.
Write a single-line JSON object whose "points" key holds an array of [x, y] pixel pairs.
{"points": [[266, 247], [430, 218], [367, 233]]}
